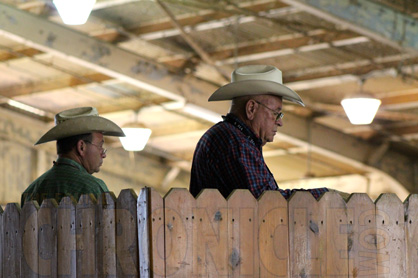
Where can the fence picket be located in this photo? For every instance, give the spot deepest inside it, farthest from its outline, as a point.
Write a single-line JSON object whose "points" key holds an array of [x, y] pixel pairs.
{"points": [[179, 206], [390, 226], [47, 223], [12, 248], [126, 235], [304, 235], [210, 235], [151, 234], [66, 238], [362, 236], [242, 235], [411, 234], [1, 242], [333, 234], [144, 234], [106, 236], [86, 237], [29, 227], [273, 242]]}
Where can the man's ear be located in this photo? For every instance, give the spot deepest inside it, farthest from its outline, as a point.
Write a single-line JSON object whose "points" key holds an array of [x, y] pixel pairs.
{"points": [[81, 147], [250, 109]]}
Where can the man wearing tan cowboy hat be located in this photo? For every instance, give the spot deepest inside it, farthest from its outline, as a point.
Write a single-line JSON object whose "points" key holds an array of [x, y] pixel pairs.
{"points": [[79, 134], [229, 155]]}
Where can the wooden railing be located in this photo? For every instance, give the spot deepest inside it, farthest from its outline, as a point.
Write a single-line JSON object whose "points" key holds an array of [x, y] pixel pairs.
{"points": [[180, 236]]}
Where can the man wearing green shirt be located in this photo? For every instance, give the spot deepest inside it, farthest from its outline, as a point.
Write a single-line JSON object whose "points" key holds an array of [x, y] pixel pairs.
{"points": [[80, 137]]}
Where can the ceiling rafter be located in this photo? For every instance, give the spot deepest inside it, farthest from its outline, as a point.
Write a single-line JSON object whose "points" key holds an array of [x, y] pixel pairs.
{"points": [[193, 44], [354, 149], [399, 64], [51, 85], [392, 27], [98, 55], [210, 25], [163, 27]]}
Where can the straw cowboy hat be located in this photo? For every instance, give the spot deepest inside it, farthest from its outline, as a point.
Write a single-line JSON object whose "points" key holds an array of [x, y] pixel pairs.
{"points": [[80, 121], [256, 80]]}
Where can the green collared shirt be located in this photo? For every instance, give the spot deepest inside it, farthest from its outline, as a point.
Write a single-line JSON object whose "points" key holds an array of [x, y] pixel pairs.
{"points": [[65, 178]]}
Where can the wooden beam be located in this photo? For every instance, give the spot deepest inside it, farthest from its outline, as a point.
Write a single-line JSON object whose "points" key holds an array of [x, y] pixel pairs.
{"points": [[211, 13], [357, 68], [48, 85], [400, 98], [367, 17], [7, 54], [192, 43], [398, 162], [105, 58]]}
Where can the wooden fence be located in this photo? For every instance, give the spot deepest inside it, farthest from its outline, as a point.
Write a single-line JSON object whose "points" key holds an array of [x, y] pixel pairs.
{"points": [[180, 236]]}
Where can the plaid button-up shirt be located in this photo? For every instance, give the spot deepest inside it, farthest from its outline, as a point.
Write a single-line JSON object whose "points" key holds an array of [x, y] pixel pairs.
{"points": [[229, 156]]}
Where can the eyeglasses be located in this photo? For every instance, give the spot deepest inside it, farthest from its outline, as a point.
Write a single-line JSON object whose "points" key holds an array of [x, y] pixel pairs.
{"points": [[279, 115], [101, 149]]}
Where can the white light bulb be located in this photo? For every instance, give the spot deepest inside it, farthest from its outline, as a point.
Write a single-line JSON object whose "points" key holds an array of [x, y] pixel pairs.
{"points": [[360, 110], [135, 139], [74, 12]]}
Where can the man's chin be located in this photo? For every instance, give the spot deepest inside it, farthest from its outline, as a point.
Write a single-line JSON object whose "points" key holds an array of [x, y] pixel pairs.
{"points": [[269, 140]]}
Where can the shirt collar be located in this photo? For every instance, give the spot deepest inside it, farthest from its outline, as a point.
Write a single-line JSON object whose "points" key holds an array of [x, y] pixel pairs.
{"points": [[246, 130], [69, 162]]}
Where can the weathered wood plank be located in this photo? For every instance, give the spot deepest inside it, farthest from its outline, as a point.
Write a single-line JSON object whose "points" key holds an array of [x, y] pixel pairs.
{"points": [[304, 225], [179, 205], [157, 228], [144, 233], [411, 233], [86, 237], [126, 235], [29, 227], [390, 239], [210, 235], [151, 233], [362, 254], [1, 241], [66, 238], [242, 235], [273, 227], [106, 237], [12, 248], [333, 235], [47, 224]]}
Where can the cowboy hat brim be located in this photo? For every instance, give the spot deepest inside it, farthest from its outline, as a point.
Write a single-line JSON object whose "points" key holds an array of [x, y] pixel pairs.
{"points": [[255, 87], [81, 125]]}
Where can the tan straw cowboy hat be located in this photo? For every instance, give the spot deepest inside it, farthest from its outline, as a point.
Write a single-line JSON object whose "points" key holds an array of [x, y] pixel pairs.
{"points": [[80, 121], [256, 80]]}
